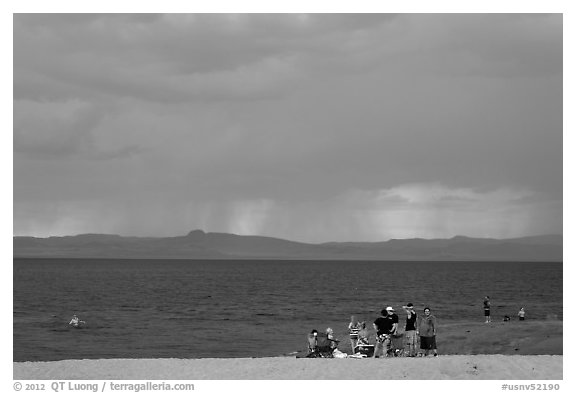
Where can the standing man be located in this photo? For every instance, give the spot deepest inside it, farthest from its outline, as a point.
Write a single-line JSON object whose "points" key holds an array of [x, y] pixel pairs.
{"points": [[410, 331], [385, 327], [487, 309], [427, 332]]}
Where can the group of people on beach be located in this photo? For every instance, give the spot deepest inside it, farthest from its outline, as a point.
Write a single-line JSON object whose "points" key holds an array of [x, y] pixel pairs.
{"points": [[416, 327], [420, 329]]}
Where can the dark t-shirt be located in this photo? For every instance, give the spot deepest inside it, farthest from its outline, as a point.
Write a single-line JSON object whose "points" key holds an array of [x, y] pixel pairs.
{"points": [[384, 324], [410, 322]]}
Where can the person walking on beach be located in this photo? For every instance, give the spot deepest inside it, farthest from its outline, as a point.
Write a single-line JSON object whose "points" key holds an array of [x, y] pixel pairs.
{"points": [[385, 327], [353, 328], [427, 332], [410, 331], [487, 309], [521, 314]]}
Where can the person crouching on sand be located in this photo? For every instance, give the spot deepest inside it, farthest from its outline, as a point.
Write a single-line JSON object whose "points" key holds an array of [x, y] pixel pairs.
{"points": [[427, 332], [353, 328]]}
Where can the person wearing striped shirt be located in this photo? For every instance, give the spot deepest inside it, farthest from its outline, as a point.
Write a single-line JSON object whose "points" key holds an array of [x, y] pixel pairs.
{"points": [[353, 328]]}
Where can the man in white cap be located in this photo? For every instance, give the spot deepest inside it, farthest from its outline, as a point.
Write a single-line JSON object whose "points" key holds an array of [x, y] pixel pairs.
{"points": [[385, 327]]}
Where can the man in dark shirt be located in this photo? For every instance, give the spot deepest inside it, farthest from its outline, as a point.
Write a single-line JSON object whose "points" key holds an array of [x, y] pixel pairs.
{"points": [[410, 337], [385, 326]]}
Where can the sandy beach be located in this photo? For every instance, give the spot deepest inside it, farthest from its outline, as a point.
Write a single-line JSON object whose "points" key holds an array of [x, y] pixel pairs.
{"points": [[449, 367], [511, 350]]}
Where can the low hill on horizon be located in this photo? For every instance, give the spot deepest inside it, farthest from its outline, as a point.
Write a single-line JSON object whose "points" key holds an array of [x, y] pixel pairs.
{"points": [[201, 245]]}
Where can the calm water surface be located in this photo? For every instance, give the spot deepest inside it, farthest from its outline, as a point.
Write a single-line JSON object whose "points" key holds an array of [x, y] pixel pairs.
{"points": [[195, 309]]}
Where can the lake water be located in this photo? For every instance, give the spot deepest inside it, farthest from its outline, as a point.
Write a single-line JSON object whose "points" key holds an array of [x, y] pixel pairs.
{"points": [[197, 309]]}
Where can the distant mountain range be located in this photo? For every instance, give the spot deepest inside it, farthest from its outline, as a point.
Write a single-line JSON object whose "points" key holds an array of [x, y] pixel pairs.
{"points": [[201, 245]]}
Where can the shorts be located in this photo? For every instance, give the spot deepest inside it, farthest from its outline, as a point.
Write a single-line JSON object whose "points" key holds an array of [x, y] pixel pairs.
{"points": [[383, 345], [487, 313], [410, 337], [521, 318], [428, 342]]}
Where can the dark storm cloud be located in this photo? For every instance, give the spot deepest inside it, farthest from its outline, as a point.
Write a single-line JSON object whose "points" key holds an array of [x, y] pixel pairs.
{"points": [[170, 57], [253, 122]]}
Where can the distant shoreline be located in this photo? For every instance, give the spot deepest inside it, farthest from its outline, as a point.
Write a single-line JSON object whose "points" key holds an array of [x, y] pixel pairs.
{"points": [[201, 245], [263, 259]]}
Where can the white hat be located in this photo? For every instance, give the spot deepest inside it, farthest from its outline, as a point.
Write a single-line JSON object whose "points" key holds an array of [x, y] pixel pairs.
{"points": [[389, 308]]}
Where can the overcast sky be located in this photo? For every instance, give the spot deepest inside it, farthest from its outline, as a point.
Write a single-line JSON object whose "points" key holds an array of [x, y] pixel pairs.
{"points": [[306, 127]]}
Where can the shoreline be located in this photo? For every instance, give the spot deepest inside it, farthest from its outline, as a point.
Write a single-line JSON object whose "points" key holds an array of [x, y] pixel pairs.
{"points": [[444, 367], [467, 351], [534, 337]]}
